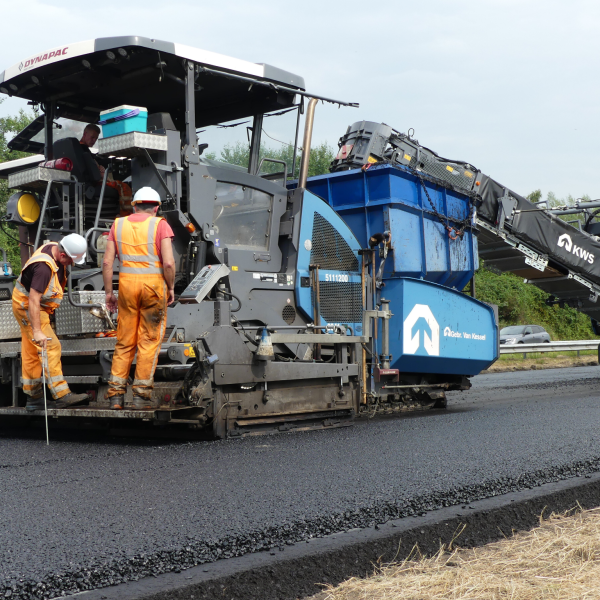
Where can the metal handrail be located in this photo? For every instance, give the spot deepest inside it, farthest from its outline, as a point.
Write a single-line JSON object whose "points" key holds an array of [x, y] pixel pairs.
{"points": [[78, 304], [87, 236], [566, 346], [45, 205], [274, 160], [42, 214], [101, 199]]}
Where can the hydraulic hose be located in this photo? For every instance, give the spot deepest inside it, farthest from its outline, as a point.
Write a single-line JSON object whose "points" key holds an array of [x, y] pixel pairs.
{"points": [[233, 296]]}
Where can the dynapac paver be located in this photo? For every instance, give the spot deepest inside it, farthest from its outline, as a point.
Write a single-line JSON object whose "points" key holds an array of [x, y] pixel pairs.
{"points": [[255, 260]]}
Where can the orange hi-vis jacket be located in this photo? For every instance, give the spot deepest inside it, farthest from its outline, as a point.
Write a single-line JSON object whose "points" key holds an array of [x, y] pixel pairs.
{"points": [[53, 294], [135, 244], [31, 358], [142, 307]]}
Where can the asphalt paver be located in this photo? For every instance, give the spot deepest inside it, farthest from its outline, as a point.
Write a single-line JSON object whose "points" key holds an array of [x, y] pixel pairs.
{"points": [[89, 512]]}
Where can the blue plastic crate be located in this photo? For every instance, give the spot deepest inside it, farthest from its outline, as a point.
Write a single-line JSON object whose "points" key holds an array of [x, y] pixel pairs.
{"points": [[392, 198], [123, 119]]}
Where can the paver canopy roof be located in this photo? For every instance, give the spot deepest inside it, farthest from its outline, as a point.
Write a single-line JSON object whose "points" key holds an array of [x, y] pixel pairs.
{"points": [[85, 78]]}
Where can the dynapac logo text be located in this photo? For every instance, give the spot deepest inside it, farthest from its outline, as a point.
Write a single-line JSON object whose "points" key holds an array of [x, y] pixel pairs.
{"points": [[565, 241], [40, 58]]}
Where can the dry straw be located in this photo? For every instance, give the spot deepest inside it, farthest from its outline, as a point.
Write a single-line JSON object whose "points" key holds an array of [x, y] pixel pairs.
{"points": [[560, 559]]}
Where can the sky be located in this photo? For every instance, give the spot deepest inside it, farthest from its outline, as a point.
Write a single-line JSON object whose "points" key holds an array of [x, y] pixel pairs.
{"points": [[510, 86]]}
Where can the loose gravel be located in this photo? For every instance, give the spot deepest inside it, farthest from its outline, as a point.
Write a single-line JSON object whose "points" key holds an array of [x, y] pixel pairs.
{"points": [[87, 513]]}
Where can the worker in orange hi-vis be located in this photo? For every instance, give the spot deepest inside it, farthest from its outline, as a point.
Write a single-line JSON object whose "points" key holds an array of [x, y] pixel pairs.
{"points": [[37, 294], [142, 242]]}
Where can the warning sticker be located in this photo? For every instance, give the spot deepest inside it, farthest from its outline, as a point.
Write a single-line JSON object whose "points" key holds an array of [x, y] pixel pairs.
{"points": [[281, 278]]}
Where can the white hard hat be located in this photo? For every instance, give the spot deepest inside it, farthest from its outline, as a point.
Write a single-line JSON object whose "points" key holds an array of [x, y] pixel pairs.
{"points": [[146, 194], [75, 247]]}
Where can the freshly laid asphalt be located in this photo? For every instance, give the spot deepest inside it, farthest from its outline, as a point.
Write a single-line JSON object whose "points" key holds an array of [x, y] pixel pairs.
{"points": [[86, 513]]}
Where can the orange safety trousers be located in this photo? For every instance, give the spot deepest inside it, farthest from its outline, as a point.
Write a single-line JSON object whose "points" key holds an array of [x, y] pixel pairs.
{"points": [[31, 357], [142, 304]]}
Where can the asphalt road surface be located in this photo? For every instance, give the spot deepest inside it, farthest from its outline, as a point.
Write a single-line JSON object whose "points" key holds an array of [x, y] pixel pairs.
{"points": [[86, 513]]}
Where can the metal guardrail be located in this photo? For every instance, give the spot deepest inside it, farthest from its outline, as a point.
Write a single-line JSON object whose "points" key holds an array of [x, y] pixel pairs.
{"points": [[572, 346]]}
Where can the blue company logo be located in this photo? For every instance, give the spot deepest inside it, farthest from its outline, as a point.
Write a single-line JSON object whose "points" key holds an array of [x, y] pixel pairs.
{"points": [[431, 340]]}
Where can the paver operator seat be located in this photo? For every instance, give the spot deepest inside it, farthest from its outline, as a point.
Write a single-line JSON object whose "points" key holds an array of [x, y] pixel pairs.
{"points": [[84, 165]]}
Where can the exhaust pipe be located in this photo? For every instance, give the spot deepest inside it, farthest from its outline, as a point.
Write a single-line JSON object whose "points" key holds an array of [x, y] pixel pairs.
{"points": [[308, 128]]}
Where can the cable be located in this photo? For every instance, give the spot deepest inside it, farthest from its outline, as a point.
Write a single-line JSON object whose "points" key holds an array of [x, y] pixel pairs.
{"points": [[365, 348], [244, 331], [233, 296], [14, 238], [279, 141], [330, 360], [160, 64], [188, 259], [590, 218]]}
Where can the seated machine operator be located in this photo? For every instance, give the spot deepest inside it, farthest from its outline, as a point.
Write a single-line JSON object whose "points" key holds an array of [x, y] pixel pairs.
{"points": [[88, 140]]}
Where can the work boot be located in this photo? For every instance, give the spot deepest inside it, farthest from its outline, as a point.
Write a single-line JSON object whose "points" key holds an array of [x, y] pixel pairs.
{"points": [[117, 402], [140, 403], [71, 399], [38, 404]]}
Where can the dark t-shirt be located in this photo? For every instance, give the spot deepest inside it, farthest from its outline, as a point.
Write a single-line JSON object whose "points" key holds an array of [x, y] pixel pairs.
{"points": [[101, 161], [38, 275]]}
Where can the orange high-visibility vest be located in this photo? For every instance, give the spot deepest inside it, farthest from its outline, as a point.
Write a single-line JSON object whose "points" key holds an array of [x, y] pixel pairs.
{"points": [[135, 242], [53, 294]]}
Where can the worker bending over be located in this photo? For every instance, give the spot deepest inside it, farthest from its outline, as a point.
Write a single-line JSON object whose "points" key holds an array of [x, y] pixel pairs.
{"points": [[36, 295], [146, 279]]}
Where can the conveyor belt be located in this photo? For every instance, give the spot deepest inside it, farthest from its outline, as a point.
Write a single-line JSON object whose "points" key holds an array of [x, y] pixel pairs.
{"points": [[507, 253], [514, 234]]}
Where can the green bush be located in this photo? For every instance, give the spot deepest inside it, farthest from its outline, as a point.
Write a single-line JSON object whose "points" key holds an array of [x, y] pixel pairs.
{"points": [[522, 304]]}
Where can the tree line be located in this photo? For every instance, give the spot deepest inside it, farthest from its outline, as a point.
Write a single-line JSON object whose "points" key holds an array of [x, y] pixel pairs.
{"points": [[9, 127]]}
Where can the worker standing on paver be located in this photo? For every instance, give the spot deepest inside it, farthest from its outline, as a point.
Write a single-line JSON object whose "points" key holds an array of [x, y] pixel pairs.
{"points": [[37, 294], [146, 280]]}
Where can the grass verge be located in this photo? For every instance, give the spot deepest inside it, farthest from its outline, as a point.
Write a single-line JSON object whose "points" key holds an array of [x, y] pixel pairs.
{"points": [[560, 559], [544, 360]]}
